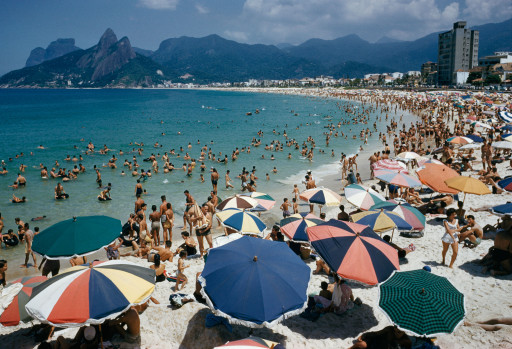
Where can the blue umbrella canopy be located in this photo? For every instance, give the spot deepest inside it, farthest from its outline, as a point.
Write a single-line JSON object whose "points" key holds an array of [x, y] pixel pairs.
{"points": [[475, 138], [503, 209], [255, 282], [76, 237]]}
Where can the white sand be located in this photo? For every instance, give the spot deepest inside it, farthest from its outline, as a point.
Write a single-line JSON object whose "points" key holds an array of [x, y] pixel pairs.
{"points": [[486, 297]]}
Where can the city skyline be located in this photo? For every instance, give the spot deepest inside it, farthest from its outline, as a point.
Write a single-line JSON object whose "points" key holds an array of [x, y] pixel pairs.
{"points": [[26, 25]]}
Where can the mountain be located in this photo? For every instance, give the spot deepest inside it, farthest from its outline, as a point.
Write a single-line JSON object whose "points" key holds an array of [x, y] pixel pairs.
{"points": [[111, 62], [56, 49], [143, 52], [400, 55], [386, 40], [283, 45]]}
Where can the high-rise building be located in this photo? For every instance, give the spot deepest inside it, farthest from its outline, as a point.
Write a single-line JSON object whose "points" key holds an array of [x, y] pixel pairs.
{"points": [[457, 51]]}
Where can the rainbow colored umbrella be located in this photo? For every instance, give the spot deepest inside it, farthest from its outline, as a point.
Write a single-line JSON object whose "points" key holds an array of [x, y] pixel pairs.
{"points": [[242, 202], [459, 140], [362, 197], [15, 312], [91, 294], [242, 221], [295, 226], [381, 220], [397, 178], [354, 251], [407, 212], [263, 199]]}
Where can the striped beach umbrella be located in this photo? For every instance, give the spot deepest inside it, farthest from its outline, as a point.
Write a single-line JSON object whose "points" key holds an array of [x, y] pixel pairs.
{"points": [[505, 116], [501, 210], [397, 178], [381, 220], [242, 221], [354, 251], [388, 164], [506, 184], [90, 294], [406, 211], [78, 236], [459, 140], [321, 196], [263, 199], [17, 294], [249, 343], [295, 226], [421, 303], [362, 197], [408, 155], [424, 161], [502, 145], [241, 202], [475, 138], [255, 282]]}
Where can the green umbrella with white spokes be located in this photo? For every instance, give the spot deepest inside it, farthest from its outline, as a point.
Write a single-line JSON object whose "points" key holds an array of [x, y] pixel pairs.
{"points": [[421, 303]]}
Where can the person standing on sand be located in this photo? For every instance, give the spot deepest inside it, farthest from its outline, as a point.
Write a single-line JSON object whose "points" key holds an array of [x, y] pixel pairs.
{"points": [[215, 179], [181, 278], [206, 231], [154, 217], [29, 237], [163, 217], [189, 202], [169, 221], [138, 204], [285, 206], [452, 229], [310, 184]]}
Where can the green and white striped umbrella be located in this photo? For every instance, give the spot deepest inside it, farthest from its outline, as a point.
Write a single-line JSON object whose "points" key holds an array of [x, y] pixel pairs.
{"points": [[421, 303]]}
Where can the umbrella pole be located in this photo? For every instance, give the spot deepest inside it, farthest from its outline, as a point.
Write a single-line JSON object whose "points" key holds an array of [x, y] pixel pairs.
{"points": [[392, 234], [51, 332], [101, 336]]}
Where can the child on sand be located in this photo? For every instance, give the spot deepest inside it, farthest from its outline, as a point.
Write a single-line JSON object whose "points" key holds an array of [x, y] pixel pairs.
{"points": [[295, 206], [296, 191], [181, 278]]}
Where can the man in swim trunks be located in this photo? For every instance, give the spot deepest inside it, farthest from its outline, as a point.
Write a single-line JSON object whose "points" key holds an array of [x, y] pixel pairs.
{"points": [[472, 233], [21, 180], [164, 252], [215, 179], [189, 201], [29, 237], [206, 231], [154, 217]]}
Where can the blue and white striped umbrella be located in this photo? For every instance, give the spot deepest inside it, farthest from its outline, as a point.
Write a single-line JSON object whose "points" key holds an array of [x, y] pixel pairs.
{"points": [[242, 221], [505, 116]]}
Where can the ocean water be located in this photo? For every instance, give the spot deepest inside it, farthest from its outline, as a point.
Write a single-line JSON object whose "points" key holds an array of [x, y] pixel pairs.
{"points": [[60, 119]]}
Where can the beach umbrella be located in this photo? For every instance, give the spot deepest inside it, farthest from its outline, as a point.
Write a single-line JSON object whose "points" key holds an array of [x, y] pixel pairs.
{"points": [[406, 211], [434, 175], [475, 138], [421, 303], [241, 202], [502, 209], [249, 343], [354, 251], [362, 197], [468, 185], [15, 296], [381, 220], [78, 236], [424, 161], [481, 124], [321, 196], [397, 178], [388, 164], [263, 199], [294, 227], [506, 128], [507, 138], [505, 184], [255, 282], [90, 294], [242, 221], [505, 116], [471, 146], [408, 155], [502, 145], [459, 140]]}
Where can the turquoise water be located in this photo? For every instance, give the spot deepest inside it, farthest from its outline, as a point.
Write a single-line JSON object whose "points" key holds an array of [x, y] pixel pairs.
{"points": [[59, 119]]}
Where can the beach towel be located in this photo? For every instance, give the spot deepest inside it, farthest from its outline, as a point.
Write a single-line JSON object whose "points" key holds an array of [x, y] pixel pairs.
{"points": [[213, 320]]}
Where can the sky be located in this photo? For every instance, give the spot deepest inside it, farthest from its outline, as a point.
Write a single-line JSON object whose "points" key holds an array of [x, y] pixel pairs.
{"points": [[26, 24]]}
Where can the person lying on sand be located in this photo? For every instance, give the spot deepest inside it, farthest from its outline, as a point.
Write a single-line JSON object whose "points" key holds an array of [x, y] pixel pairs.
{"points": [[388, 337], [402, 252], [491, 324]]}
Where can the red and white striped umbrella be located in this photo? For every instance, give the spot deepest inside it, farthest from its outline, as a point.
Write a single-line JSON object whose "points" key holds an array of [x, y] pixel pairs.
{"points": [[388, 164]]}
